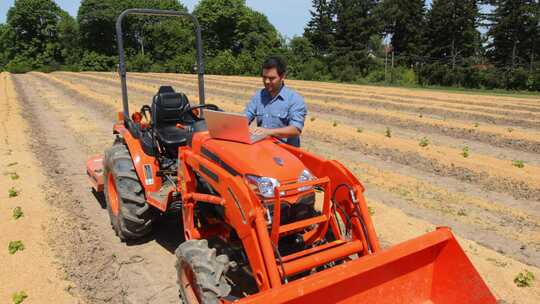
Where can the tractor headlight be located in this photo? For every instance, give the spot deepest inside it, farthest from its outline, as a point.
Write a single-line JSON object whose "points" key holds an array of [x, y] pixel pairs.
{"points": [[263, 185], [305, 176]]}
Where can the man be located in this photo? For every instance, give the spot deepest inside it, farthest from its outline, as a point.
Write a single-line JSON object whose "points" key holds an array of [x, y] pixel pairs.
{"points": [[279, 111]]}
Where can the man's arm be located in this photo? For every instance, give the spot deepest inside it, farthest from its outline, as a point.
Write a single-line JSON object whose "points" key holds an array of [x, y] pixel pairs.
{"points": [[297, 113], [251, 108], [288, 131]]}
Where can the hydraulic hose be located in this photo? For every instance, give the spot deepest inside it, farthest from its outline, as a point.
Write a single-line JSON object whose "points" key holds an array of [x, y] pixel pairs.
{"points": [[357, 209]]}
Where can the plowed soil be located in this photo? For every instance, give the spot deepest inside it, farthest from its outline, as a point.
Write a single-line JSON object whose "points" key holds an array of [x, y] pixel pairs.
{"points": [[56, 121]]}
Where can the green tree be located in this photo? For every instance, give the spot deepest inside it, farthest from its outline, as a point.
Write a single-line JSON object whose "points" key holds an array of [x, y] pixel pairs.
{"points": [[158, 36], [219, 23], [320, 30], [7, 50], [225, 63], [515, 33], [303, 61], [355, 25], [405, 22], [255, 35], [34, 27], [451, 30], [229, 25], [68, 36], [96, 20]]}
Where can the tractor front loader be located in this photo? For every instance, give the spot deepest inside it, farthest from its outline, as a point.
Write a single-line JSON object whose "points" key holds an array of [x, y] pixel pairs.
{"points": [[263, 222]]}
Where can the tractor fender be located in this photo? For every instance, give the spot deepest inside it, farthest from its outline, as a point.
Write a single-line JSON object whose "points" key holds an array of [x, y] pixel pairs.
{"points": [[145, 165]]}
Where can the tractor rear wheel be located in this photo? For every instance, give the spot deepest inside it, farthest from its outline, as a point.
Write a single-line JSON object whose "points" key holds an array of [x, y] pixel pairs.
{"points": [[131, 217], [201, 274]]}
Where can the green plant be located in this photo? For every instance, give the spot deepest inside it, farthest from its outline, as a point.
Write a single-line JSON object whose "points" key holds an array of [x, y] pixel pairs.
{"points": [[524, 279], [359, 130], [312, 118], [19, 64], [17, 213], [12, 192], [335, 124], [224, 63], [423, 142], [476, 125], [510, 130], [14, 175], [388, 132], [462, 212], [18, 297], [371, 210], [139, 63], [92, 61], [518, 163], [12, 164], [15, 246], [465, 152]]}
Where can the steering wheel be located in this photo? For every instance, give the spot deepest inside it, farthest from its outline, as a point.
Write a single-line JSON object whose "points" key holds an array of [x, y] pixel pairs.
{"points": [[208, 106]]}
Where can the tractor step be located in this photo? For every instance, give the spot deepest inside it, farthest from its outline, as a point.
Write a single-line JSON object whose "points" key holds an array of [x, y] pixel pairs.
{"points": [[94, 170], [160, 199]]}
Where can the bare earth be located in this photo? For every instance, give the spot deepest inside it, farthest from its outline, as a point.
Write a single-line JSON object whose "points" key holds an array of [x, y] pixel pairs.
{"points": [[33, 270], [55, 121]]}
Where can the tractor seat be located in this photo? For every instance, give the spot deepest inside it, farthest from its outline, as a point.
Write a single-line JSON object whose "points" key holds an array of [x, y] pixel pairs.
{"points": [[172, 136], [167, 107]]}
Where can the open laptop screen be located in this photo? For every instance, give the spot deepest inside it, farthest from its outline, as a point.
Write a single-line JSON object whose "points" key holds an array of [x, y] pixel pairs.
{"points": [[227, 126]]}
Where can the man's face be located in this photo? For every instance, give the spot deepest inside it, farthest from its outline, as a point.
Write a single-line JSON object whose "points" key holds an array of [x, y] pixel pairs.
{"points": [[272, 81]]}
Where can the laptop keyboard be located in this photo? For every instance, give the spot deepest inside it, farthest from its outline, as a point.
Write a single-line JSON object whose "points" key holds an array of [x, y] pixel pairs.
{"points": [[255, 137]]}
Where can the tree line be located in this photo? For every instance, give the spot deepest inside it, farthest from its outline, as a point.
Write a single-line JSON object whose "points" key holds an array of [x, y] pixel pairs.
{"points": [[437, 45], [366, 41]]}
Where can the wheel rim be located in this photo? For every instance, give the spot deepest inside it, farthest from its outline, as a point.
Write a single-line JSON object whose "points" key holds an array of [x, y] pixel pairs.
{"points": [[112, 194], [187, 282]]}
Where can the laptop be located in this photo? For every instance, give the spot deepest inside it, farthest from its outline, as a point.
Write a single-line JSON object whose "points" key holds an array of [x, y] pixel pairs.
{"points": [[230, 126]]}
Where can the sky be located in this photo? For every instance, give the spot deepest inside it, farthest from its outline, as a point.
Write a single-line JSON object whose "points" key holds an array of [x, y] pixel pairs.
{"points": [[288, 16]]}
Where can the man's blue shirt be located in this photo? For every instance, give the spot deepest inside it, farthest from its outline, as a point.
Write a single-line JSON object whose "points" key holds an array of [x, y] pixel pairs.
{"points": [[287, 108]]}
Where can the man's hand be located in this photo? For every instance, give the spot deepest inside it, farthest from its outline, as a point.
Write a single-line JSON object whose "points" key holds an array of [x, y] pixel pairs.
{"points": [[287, 131], [262, 131]]}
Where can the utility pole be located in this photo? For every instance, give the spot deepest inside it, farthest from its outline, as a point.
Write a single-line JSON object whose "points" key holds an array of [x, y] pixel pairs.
{"points": [[392, 72], [531, 64], [514, 55], [453, 54], [532, 58], [386, 50]]}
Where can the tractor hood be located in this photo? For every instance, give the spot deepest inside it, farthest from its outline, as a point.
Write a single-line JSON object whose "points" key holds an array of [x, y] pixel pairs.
{"points": [[264, 158]]}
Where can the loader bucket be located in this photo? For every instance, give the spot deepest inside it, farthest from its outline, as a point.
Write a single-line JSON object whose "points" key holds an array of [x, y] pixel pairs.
{"points": [[429, 269]]}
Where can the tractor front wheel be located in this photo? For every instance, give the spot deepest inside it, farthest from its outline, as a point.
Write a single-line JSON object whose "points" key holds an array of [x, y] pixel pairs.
{"points": [[131, 217], [201, 274]]}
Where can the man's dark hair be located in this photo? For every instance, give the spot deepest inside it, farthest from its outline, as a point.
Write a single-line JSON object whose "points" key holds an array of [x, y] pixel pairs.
{"points": [[275, 62]]}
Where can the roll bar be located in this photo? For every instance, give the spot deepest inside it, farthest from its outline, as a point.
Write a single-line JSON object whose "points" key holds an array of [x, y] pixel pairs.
{"points": [[122, 57]]}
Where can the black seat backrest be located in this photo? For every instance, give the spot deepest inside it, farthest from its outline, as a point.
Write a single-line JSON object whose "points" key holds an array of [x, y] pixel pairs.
{"points": [[167, 106]]}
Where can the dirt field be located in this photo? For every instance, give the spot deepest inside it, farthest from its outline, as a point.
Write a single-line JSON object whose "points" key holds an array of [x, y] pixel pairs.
{"points": [[55, 121]]}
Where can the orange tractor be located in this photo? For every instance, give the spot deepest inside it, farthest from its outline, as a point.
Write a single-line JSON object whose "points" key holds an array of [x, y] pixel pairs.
{"points": [[263, 222]]}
